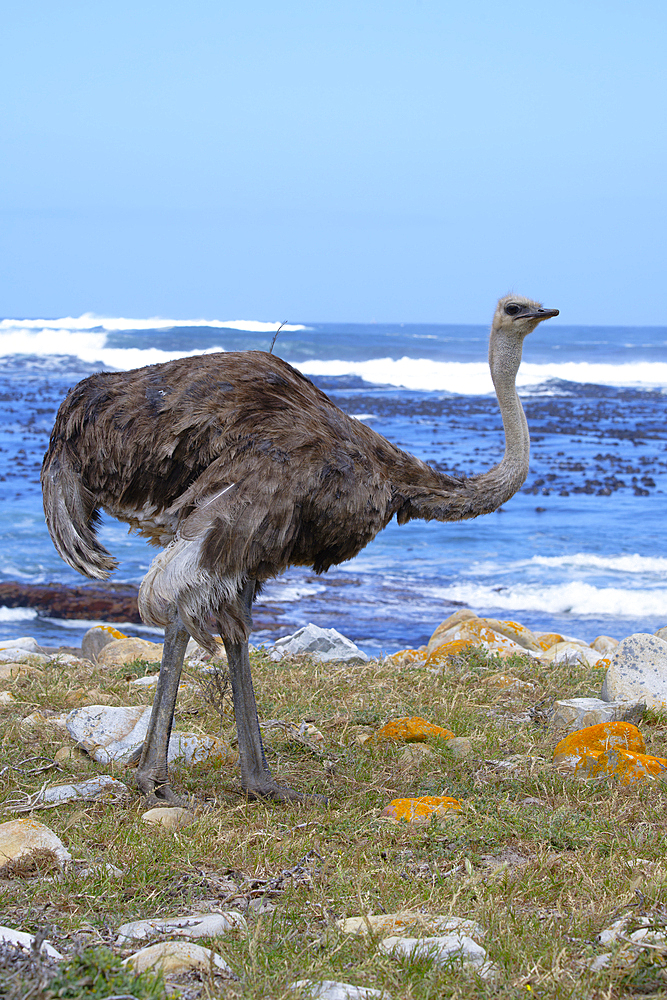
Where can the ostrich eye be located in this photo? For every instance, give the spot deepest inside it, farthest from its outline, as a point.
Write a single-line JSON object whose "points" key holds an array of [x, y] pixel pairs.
{"points": [[512, 309]]}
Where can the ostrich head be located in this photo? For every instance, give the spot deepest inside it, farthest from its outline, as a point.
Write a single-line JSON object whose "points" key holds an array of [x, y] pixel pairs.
{"points": [[517, 316]]}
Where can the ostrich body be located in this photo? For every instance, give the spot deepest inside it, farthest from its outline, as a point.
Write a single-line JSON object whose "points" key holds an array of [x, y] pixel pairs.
{"points": [[238, 466]]}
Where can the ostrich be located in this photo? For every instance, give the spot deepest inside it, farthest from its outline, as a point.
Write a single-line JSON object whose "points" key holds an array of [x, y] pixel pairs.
{"points": [[238, 466]]}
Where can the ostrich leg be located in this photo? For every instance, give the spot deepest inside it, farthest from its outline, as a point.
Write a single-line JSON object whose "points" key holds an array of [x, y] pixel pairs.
{"points": [[256, 777], [152, 777]]}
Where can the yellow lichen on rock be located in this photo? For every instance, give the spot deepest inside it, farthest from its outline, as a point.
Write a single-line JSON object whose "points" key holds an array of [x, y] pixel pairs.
{"points": [[420, 810], [413, 730], [609, 748], [600, 738], [405, 656], [545, 640], [442, 653], [629, 767]]}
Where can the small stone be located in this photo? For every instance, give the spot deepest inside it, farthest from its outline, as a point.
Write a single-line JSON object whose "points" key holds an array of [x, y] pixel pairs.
{"points": [[178, 956], [96, 638], [442, 949], [638, 671], [23, 940], [419, 811], [390, 923], [405, 657], [71, 757], [26, 644], [459, 746], [330, 989], [415, 753], [193, 926], [24, 839], [7, 698], [546, 640], [10, 671], [170, 817], [413, 730], [120, 652], [438, 637], [661, 633], [579, 713], [148, 682], [507, 683], [323, 644]]}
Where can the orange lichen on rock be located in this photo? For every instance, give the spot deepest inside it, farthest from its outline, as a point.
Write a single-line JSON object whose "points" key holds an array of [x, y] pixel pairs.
{"points": [[545, 640], [613, 748], [442, 653], [420, 810], [414, 730], [404, 656]]}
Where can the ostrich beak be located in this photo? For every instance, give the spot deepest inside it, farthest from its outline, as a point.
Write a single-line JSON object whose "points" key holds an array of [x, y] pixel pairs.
{"points": [[539, 314]]}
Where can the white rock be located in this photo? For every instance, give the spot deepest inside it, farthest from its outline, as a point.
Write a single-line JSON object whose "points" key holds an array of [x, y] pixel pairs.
{"points": [[9, 936], [18, 655], [599, 962], [329, 989], [386, 923], [178, 956], [442, 949], [101, 787], [27, 643], [149, 681], [638, 671], [6, 698], [322, 644], [571, 652], [113, 734], [21, 837], [578, 713], [170, 817], [38, 720], [193, 926], [604, 644]]}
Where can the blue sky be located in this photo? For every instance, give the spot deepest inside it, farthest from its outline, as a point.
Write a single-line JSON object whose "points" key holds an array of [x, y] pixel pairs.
{"points": [[348, 161]]}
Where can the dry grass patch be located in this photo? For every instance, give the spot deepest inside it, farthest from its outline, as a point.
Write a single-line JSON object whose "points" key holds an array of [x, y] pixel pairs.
{"points": [[541, 860]]}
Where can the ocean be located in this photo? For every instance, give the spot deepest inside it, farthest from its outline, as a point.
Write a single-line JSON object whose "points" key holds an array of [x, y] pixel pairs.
{"points": [[579, 550]]}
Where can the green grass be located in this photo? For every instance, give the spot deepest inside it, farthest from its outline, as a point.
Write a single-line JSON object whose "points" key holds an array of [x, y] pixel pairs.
{"points": [[543, 877]]}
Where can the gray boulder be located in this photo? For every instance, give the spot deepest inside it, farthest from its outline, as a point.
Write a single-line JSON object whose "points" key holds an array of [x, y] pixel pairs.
{"points": [[638, 671], [322, 644]]}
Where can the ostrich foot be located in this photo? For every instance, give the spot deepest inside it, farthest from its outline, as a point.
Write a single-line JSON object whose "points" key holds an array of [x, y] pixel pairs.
{"points": [[283, 793], [158, 792]]}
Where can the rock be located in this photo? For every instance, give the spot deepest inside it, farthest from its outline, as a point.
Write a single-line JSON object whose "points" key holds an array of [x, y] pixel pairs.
{"points": [[96, 638], [23, 940], [638, 671], [605, 644], [614, 748], [10, 670], [95, 789], [546, 640], [478, 632], [111, 602], [330, 989], [197, 655], [22, 650], [7, 698], [579, 713], [421, 810], [193, 926], [40, 720], [22, 840], [113, 733], [170, 817], [72, 757], [388, 923], [442, 949], [178, 956], [571, 652], [413, 730], [406, 657], [120, 652], [27, 644], [460, 746], [439, 636], [517, 633], [323, 644], [149, 682], [415, 753], [661, 633]]}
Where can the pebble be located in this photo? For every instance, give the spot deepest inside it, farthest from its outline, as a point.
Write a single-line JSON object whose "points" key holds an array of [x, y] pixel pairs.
{"points": [[7, 698], [571, 652], [420, 810], [170, 817], [19, 838], [178, 956], [113, 733], [442, 949], [579, 713], [10, 671], [507, 683], [24, 940], [605, 644], [330, 989], [638, 671], [193, 926]]}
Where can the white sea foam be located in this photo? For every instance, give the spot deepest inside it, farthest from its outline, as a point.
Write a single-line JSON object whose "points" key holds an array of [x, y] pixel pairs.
{"points": [[628, 564], [575, 598], [89, 321], [473, 377], [16, 614]]}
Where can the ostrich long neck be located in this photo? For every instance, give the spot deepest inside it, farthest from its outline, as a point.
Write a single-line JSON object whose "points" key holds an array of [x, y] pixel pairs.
{"points": [[433, 496]]}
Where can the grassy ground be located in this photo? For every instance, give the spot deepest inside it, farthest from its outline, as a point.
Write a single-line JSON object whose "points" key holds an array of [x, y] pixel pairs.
{"points": [[542, 860]]}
